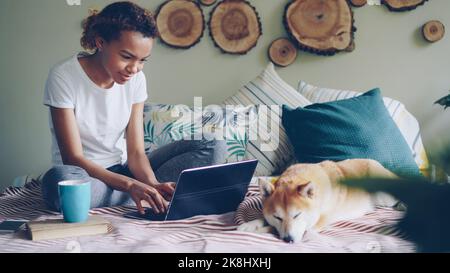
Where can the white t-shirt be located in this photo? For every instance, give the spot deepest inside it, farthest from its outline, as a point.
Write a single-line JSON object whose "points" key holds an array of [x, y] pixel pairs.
{"points": [[101, 114]]}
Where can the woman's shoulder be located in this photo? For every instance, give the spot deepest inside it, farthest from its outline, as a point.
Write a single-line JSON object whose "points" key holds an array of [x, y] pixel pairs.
{"points": [[137, 81], [65, 68], [139, 78]]}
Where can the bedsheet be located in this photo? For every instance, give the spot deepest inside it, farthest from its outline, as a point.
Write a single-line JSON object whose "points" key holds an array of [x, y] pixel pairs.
{"points": [[373, 232]]}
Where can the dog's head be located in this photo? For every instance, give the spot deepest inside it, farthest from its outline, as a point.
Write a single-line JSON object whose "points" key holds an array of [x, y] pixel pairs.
{"points": [[289, 203]]}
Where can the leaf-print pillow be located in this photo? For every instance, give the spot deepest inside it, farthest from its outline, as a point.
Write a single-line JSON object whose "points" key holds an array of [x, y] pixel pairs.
{"points": [[166, 123]]}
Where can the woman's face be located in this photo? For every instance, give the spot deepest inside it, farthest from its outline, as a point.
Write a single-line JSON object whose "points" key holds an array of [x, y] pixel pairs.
{"points": [[124, 58]]}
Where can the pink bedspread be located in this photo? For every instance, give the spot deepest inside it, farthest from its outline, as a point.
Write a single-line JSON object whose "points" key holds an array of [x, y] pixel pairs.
{"points": [[214, 233]]}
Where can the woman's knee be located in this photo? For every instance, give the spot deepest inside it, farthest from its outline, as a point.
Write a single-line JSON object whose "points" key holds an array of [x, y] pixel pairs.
{"points": [[51, 179], [65, 172], [217, 149]]}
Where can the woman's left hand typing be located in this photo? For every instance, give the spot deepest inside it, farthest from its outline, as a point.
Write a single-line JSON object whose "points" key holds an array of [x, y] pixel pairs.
{"points": [[166, 189]]}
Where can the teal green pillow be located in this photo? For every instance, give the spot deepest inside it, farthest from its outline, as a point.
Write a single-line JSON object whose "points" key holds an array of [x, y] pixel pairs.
{"points": [[359, 127]]}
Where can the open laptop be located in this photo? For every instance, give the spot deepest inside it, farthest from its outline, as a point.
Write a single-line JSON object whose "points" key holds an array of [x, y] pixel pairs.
{"points": [[208, 190]]}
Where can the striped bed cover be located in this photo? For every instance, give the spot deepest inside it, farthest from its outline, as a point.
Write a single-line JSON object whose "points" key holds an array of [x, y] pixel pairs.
{"points": [[214, 233]]}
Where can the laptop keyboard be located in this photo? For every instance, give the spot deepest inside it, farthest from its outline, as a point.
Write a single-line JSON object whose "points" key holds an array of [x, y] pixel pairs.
{"points": [[148, 215]]}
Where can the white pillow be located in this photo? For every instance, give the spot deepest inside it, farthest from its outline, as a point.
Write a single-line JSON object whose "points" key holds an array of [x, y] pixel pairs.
{"points": [[406, 122], [268, 89]]}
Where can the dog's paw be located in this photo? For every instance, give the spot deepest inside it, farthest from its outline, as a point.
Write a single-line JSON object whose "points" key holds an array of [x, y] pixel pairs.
{"points": [[253, 226]]}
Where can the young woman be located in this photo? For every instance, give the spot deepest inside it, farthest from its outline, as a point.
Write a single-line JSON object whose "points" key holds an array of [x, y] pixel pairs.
{"points": [[96, 106]]}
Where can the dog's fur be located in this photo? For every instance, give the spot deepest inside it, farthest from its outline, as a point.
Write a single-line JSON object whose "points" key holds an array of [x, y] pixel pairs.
{"points": [[308, 197]]}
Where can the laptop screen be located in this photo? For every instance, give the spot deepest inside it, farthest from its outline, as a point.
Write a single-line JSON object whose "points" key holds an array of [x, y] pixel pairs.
{"points": [[208, 190]]}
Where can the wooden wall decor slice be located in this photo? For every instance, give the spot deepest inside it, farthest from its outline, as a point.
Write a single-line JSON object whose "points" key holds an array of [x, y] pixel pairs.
{"points": [[320, 27], [93, 10], [282, 52], [358, 3], [180, 23], [351, 47], [235, 26], [402, 5], [433, 31], [207, 2]]}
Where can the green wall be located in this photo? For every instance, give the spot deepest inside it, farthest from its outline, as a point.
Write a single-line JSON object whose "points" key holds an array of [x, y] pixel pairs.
{"points": [[390, 53]]}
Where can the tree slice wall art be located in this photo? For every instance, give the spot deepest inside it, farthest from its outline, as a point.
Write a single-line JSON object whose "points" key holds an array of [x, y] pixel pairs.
{"points": [[180, 23], [358, 3], [402, 5], [235, 26], [320, 27], [207, 2], [282, 52], [433, 31]]}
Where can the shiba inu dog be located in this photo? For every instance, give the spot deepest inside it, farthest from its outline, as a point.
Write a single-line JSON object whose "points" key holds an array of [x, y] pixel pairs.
{"points": [[308, 197]]}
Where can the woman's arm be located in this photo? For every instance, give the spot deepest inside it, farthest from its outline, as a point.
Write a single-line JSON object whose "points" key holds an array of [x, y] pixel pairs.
{"points": [[69, 143], [138, 162]]}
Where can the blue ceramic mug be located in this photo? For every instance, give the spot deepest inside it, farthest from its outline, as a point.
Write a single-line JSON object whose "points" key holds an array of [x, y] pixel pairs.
{"points": [[75, 200]]}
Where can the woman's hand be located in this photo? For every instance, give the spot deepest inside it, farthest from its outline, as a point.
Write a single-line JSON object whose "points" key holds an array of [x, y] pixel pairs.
{"points": [[166, 189], [143, 192]]}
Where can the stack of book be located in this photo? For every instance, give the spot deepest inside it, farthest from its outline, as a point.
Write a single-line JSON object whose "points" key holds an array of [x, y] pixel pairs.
{"points": [[57, 228]]}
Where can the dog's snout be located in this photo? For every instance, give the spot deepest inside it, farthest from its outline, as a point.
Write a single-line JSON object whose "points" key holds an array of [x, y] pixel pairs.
{"points": [[288, 239]]}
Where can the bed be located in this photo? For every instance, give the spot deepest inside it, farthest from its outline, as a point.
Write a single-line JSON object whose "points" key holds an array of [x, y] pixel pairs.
{"points": [[373, 232]]}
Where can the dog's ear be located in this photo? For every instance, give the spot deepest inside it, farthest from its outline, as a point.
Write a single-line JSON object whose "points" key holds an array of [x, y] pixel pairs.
{"points": [[306, 190], [265, 188]]}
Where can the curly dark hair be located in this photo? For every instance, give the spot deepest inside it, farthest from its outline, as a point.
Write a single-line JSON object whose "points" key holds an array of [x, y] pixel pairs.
{"points": [[114, 18]]}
